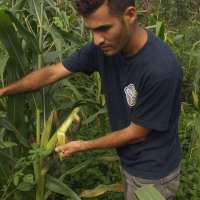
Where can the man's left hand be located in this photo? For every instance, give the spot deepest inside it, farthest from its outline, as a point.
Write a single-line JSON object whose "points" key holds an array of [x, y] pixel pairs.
{"points": [[70, 148]]}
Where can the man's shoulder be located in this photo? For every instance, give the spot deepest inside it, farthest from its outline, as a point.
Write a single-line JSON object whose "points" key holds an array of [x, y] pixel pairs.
{"points": [[161, 61]]}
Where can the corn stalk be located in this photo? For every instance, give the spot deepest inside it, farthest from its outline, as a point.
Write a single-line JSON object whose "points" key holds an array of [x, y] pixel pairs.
{"points": [[42, 138], [29, 30]]}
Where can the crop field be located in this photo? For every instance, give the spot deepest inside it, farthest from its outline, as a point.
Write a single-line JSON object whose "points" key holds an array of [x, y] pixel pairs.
{"points": [[38, 33]]}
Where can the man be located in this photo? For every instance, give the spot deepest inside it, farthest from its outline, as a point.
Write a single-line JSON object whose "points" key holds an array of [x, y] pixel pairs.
{"points": [[141, 80]]}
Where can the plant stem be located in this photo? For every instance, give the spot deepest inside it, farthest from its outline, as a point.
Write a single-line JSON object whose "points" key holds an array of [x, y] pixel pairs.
{"points": [[38, 164], [39, 176], [40, 55], [38, 126]]}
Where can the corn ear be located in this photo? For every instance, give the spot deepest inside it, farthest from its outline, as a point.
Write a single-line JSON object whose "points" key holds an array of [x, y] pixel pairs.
{"points": [[61, 141], [62, 130], [61, 138]]}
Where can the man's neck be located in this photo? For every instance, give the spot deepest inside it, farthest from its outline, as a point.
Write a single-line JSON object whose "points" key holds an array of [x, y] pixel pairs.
{"points": [[137, 41]]}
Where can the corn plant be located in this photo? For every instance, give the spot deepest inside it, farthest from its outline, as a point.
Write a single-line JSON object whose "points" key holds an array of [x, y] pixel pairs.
{"points": [[34, 34], [29, 38], [40, 180], [195, 59], [48, 144]]}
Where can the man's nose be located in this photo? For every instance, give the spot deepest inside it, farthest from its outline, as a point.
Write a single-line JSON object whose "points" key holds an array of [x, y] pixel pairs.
{"points": [[98, 38]]}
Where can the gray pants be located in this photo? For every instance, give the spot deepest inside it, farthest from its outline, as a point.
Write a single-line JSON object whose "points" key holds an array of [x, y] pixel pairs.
{"points": [[167, 186]]}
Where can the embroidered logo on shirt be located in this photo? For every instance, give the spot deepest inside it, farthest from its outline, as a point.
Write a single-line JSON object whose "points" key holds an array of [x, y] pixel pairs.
{"points": [[131, 94]]}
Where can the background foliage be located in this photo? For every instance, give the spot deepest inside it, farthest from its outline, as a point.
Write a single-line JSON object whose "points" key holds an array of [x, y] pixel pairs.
{"points": [[44, 32]]}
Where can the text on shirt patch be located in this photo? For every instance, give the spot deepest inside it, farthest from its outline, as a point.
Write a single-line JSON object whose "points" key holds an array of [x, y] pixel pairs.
{"points": [[131, 94]]}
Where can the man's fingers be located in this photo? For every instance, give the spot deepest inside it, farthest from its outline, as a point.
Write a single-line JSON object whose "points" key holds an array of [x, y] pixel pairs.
{"points": [[66, 153], [59, 149], [62, 151], [69, 148]]}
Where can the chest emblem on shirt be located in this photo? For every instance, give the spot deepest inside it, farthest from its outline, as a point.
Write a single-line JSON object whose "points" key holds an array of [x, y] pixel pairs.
{"points": [[131, 94]]}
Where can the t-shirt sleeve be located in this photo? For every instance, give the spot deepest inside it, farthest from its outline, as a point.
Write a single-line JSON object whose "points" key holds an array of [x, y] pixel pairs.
{"points": [[156, 102], [82, 60]]}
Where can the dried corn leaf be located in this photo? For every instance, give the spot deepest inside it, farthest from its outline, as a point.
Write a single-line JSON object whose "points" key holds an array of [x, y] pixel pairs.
{"points": [[102, 189], [108, 158]]}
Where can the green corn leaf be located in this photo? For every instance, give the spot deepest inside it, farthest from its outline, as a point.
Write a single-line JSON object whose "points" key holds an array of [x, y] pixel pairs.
{"points": [[36, 9], [70, 86], [195, 99], [68, 36], [25, 187], [94, 116], [75, 169], [160, 30], [57, 186], [9, 159], [9, 126], [19, 5], [14, 68], [58, 39], [7, 144], [30, 38], [47, 131], [8, 36], [148, 192], [3, 63]]}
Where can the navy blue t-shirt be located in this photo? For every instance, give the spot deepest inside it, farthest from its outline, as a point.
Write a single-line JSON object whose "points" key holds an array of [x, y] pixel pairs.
{"points": [[143, 89]]}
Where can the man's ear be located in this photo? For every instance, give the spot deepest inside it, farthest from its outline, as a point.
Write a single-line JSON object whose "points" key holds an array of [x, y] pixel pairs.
{"points": [[130, 15]]}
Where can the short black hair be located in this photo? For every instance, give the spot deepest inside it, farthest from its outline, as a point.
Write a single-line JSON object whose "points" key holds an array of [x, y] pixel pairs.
{"points": [[116, 7]]}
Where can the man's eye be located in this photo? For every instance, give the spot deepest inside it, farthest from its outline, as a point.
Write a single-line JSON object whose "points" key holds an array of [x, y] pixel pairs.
{"points": [[103, 28]]}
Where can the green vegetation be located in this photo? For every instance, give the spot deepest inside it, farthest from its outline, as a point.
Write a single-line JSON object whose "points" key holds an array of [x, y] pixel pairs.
{"points": [[36, 33]]}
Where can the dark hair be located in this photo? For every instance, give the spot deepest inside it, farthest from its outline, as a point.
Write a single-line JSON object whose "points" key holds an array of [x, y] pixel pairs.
{"points": [[116, 7]]}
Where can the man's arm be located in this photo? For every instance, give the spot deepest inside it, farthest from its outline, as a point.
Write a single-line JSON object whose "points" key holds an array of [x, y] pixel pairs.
{"points": [[36, 80], [133, 133]]}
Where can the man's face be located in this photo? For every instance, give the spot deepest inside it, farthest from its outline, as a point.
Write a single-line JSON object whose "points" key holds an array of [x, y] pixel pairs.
{"points": [[109, 32]]}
